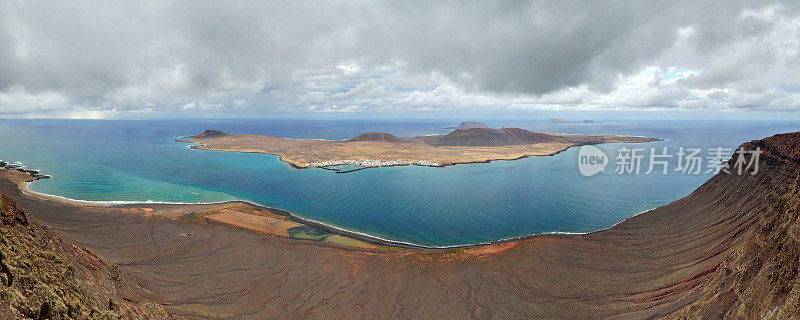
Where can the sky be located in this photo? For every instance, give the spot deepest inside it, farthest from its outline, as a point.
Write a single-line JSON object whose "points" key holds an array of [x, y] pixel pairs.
{"points": [[407, 59]]}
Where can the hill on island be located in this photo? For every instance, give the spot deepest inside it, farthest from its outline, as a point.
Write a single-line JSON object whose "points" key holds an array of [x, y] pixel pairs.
{"points": [[486, 137], [469, 125], [376, 136], [210, 134]]}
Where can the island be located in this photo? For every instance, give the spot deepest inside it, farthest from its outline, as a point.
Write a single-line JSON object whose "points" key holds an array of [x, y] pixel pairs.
{"points": [[559, 120], [469, 125], [377, 149]]}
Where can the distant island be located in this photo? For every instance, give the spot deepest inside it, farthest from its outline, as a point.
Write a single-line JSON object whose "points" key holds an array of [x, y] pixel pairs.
{"points": [[469, 125], [559, 120], [377, 149]]}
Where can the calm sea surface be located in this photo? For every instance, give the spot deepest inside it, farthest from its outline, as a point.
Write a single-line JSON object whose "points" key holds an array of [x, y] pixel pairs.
{"points": [[139, 161]]}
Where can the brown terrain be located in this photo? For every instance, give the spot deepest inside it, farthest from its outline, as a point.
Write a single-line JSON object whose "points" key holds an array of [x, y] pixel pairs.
{"points": [[729, 250], [383, 149]]}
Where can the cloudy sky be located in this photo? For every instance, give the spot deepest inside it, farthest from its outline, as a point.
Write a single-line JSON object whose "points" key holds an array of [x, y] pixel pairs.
{"points": [[705, 59]]}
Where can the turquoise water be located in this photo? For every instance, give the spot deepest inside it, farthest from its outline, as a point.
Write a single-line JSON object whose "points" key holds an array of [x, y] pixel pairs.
{"points": [[139, 161]]}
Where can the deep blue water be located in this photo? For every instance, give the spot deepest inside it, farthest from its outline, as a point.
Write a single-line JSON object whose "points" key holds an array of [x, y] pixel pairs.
{"points": [[138, 160]]}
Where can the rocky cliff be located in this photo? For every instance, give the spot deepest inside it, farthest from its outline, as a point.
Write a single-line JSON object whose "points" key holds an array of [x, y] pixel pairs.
{"points": [[758, 278]]}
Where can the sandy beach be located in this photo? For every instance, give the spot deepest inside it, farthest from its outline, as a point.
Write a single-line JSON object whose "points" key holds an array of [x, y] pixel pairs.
{"points": [[237, 214]]}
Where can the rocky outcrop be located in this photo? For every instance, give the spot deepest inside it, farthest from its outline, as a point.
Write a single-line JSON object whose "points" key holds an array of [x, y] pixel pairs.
{"points": [[21, 168]]}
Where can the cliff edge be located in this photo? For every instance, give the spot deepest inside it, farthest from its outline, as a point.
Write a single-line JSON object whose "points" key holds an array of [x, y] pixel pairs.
{"points": [[758, 278]]}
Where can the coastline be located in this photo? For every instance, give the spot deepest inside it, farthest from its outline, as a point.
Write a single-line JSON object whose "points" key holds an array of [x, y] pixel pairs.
{"points": [[24, 187]]}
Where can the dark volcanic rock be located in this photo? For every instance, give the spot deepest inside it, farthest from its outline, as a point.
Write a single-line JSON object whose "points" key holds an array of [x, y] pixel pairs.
{"points": [[376, 136], [210, 134], [485, 137], [20, 168]]}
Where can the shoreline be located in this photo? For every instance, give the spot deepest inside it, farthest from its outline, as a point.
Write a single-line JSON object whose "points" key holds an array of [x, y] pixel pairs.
{"points": [[24, 187]]}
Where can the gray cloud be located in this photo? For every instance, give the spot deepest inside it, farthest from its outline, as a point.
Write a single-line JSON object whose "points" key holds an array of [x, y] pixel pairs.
{"points": [[89, 58]]}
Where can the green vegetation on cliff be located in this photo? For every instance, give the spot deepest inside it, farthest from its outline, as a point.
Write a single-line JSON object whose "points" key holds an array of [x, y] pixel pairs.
{"points": [[36, 281]]}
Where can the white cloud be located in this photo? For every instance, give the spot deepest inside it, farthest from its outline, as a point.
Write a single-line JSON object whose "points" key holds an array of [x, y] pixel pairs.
{"points": [[118, 59]]}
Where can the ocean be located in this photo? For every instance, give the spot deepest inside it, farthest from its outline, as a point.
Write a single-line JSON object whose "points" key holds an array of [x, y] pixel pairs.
{"points": [[138, 161]]}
